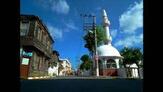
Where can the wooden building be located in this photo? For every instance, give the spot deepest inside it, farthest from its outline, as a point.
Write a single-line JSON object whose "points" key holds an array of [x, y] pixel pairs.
{"points": [[35, 47]]}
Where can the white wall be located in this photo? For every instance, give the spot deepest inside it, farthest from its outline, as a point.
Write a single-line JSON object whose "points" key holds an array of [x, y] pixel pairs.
{"points": [[134, 71], [53, 70], [64, 64]]}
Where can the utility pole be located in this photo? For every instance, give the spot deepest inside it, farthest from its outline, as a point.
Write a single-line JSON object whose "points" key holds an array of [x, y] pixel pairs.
{"points": [[88, 27]]}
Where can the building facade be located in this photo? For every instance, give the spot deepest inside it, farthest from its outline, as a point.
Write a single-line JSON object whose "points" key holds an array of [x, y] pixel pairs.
{"points": [[66, 70], [35, 47]]}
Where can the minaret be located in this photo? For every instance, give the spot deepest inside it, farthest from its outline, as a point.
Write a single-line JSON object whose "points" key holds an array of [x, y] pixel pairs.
{"points": [[106, 24], [107, 52]]}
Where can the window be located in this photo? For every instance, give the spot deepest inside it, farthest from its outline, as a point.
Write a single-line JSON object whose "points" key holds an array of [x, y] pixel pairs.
{"points": [[111, 63], [50, 48], [40, 63], [108, 65], [24, 28], [47, 45], [34, 61], [38, 32], [35, 31], [44, 37], [40, 35]]}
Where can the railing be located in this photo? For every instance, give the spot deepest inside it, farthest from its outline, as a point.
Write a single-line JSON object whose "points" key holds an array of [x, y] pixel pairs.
{"points": [[35, 42]]}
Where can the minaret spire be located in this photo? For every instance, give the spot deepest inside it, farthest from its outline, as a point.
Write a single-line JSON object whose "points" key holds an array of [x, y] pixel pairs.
{"points": [[106, 24]]}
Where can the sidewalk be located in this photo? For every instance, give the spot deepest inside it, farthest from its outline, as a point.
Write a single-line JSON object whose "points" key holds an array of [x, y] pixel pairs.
{"points": [[41, 77]]}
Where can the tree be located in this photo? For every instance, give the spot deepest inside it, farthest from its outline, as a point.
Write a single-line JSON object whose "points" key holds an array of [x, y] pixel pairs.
{"points": [[86, 62], [131, 55], [55, 58], [90, 40], [54, 63], [56, 52]]}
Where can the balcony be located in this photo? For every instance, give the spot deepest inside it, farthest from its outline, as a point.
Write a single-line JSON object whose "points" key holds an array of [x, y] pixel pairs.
{"points": [[32, 41]]}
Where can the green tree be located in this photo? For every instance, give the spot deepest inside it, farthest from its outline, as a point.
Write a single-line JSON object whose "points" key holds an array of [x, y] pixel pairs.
{"points": [[86, 62], [55, 58], [54, 64], [131, 55], [90, 40]]}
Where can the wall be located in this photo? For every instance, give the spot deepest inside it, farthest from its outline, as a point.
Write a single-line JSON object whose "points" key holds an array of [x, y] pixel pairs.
{"points": [[122, 73]]}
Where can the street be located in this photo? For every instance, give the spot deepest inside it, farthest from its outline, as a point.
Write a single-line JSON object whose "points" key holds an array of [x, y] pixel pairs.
{"points": [[82, 85]]}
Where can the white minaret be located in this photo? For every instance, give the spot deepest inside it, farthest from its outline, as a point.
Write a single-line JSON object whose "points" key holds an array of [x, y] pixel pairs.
{"points": [[107, 52], [106, 24]]}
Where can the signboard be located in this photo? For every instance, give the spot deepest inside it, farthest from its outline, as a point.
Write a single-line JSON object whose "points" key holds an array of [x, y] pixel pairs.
{"points": [[28, 54], [25, 61]]}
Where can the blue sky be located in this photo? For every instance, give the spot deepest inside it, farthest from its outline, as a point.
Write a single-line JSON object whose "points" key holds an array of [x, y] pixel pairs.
{"points": [[62, 18]]}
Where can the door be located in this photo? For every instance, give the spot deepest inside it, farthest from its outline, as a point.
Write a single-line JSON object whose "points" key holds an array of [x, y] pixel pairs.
{"points": [[24, 67]]}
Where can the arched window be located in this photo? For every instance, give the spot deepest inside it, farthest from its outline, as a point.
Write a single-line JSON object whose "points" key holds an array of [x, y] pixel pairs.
{"points": [[111, 64]]}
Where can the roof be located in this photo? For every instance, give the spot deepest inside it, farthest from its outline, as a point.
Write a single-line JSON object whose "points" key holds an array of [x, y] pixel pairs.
{"points": [[132, 65], [108, 51], [65, 60], [34, 17]]}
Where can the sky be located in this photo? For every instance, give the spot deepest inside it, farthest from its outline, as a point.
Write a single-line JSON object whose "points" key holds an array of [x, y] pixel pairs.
{"points": [[63, 20]]}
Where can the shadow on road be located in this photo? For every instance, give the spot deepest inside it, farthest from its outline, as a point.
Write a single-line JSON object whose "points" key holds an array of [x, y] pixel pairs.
{"points": [[80, 85]]}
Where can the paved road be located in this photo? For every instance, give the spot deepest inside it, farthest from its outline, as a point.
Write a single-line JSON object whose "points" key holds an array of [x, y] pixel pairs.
{"points": [[82, 85]]}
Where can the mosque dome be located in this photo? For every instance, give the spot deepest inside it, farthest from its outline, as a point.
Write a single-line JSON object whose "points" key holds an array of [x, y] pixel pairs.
{"points": [[108, 51]]}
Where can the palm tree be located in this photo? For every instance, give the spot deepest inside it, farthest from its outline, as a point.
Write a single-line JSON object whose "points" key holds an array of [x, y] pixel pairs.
{"points": [[86, 62], [90, 40]]}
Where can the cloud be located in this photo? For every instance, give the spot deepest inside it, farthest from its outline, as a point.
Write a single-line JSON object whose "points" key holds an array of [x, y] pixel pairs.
{"points": [[113, 32], [71, 25], [55, 32], [130, 40], [59, 6], [141, 36], [132, 19]]}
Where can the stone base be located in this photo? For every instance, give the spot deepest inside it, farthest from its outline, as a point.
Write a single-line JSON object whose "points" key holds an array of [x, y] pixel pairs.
{"points": [[108, 72]]}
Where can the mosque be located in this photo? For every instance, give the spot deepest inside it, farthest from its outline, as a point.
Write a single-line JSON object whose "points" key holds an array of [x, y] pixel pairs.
{"points": [[108, 56], [108, 59]]}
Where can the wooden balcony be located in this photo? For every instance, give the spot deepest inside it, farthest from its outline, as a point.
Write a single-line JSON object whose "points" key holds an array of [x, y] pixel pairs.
{"points": [[32, 41]]}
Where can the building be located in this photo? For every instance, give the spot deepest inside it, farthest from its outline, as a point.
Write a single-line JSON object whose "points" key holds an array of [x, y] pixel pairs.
{"points": [[54, 65], [108, 55], [135, 71], [66, 70], [35, 47]]}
